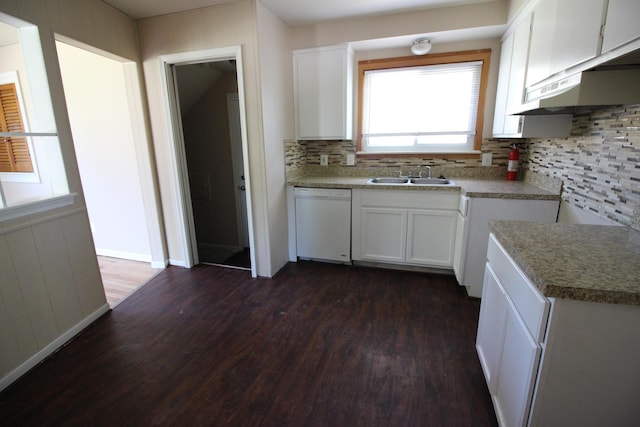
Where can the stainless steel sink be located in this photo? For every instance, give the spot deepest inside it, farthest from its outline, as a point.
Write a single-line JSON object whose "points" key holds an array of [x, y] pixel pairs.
{"points": [[388, 181], [430, 181], [410, 181]]}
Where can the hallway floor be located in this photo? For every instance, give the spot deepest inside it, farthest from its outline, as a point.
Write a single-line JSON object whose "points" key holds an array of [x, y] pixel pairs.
{"points": [[122, 277]]}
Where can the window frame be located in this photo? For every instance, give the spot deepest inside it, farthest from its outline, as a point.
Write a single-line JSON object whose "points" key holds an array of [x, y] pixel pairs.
{"points": [[42, 135], [482, 55]]}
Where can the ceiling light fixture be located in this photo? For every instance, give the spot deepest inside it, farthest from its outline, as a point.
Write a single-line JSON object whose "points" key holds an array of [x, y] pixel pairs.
{"points": [[421, 47]]}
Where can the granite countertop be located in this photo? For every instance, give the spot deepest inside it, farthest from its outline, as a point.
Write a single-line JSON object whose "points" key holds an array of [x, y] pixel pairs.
{"points": [[595, 263], [483, 188]]}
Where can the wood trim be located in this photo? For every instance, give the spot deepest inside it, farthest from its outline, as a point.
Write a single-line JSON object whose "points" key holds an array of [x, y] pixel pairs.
{"points": [[483, 55], [363, 155]]}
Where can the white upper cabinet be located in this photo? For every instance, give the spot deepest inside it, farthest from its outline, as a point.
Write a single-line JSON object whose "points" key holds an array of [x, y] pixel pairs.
{"points": [[323, 92], [564, 33], [542, 29], [510, 92], [622, 23], [577, 33], [500, 119]]}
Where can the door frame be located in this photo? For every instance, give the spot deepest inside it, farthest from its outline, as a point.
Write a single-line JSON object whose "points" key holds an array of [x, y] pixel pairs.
{"points": [[178, 159]]}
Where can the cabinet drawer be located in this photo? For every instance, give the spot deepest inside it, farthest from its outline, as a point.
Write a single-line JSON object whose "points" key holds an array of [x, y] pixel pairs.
{"points": [[444, 200], [531, 305]]}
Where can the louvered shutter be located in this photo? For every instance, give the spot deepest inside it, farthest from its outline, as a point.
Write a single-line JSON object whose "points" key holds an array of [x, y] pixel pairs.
{"points": [[14, 150]]}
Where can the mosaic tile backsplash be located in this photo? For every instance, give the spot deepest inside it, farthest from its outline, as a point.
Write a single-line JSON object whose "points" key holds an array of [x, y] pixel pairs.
{"points": [[304, 158], [599, 164]]}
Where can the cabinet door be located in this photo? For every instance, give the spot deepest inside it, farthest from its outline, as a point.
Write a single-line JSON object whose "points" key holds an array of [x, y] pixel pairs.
{"points": [[577, 32], [515, 96], [502, 92], [518, 369], [564, 33], [622, 23], [491, 328], [322, 93], [511, 81], [542, 31], [431, 237], [383, 234]]}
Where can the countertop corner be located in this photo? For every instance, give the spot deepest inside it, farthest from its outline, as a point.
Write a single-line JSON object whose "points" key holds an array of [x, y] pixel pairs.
{"points": [[596, 263]]}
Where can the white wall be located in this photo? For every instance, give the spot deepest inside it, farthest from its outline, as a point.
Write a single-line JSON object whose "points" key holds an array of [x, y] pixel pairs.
{"points": [[515, 6], [50, 289], [401, 24], [100, 119], [227, 25], [276, 78], [50, 283], [470, 18], [266, 44]]}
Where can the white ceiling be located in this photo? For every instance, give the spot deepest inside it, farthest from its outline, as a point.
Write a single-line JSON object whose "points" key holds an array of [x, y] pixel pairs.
{"points": [[293, 12]]}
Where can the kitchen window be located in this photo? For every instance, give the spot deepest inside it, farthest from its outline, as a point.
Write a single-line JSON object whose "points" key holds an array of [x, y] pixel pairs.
{"points": [[429, 104]]}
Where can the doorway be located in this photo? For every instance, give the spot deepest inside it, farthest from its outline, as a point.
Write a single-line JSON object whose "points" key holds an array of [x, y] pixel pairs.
{"points": [[105, 140], [205, 95]]}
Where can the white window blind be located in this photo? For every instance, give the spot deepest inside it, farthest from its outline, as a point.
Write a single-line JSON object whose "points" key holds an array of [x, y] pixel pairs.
{"points": [[421, 109]]}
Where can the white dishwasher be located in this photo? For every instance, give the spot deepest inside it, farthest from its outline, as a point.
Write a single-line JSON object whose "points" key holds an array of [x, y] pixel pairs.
{"points": [[323, 223]]}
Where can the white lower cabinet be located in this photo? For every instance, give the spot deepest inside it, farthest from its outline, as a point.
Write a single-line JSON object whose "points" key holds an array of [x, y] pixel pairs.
{"points": [[508, 354], [404, 227], [555, 362], [383, 234], [491, 326], [431, 237], [471, 247]]}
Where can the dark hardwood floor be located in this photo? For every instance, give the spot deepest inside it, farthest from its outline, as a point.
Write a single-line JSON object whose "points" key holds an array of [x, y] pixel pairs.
{"points": [[318, 345]]}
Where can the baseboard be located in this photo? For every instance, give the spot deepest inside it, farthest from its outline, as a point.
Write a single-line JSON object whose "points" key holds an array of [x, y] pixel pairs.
{"points": [[159, 264], [178, 262], [123, 255], [38, 357]]}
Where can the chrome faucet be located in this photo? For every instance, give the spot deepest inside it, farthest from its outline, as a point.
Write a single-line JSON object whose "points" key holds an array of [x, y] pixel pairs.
{"points": [[415, 173]]}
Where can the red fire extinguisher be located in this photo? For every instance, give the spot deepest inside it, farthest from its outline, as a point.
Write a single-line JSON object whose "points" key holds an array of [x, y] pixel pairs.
{"points": [[512, 168]]}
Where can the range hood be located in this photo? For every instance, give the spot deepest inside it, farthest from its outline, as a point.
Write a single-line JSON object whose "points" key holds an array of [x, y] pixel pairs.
{"points": [[585, 90]]}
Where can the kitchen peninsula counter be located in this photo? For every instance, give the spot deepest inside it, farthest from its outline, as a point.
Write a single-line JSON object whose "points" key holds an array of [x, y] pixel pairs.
{"points": [[594, 263]]}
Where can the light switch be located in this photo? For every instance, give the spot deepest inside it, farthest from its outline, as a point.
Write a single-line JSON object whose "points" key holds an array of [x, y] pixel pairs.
{"points": [[487, 158], [324, 159]]}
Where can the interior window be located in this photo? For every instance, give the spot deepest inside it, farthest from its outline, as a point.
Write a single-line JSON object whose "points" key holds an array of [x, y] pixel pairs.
{"points": [[430, 104], [32, 174]]}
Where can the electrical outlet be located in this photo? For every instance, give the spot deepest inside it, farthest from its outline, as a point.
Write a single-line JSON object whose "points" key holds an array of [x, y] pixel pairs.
{"points": [[487, 158], [324, 160], [351, 159]]}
